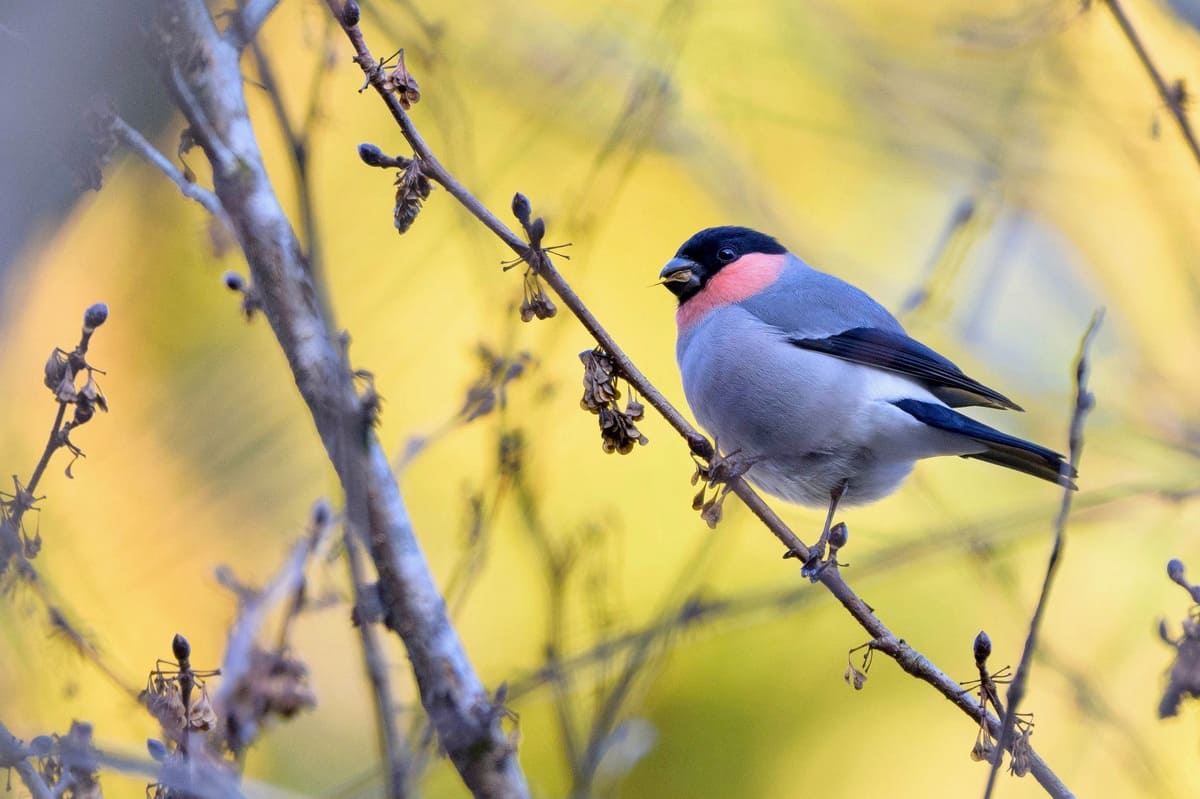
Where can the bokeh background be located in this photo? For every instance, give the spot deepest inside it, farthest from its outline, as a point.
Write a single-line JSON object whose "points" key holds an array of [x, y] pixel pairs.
{"points": [[991, 174]]}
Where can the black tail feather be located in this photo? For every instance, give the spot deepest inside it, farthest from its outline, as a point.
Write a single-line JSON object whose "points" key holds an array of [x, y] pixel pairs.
{"points": [[1002, 449]]}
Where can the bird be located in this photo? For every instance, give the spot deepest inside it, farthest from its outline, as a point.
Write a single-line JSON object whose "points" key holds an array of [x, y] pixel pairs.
{"points": [[815, 386]]}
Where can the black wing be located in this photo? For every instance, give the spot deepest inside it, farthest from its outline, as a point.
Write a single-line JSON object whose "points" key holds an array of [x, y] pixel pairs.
{"points": [[897, 352]]}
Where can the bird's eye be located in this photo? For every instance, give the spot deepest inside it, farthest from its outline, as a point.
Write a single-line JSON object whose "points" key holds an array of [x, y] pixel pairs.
{"points": [[726, 255]]}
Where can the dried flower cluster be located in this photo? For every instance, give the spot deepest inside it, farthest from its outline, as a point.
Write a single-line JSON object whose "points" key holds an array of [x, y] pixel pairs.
{"points": [[1183, 680], [855, 676], [170, 696], [601, 395], [412, 189], [717, 475], [985, 748], [488, 390], [67, 763], [412, 184], [400, 81], [275, 685], [61, 374], [535, 302]]}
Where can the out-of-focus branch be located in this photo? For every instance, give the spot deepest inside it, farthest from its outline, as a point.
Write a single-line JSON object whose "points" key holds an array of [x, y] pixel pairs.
{"points": [[15, 755], [1016, 690], [883, 640], [299, 143], [61, 372], [138, 145], [250, 16], [201, 69], [254, 609], [1172, 96], [392, 743]]}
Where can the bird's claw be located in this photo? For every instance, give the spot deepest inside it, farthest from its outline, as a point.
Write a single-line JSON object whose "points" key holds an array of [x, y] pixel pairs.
{"points": [[816, 564]]}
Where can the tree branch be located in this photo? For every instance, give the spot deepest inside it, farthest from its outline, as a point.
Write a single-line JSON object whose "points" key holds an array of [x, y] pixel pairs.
{"points": [[1016, 690], [908, 658], [138, 145], [201, 68], [247, 21], [392, 743], [1171, 97]]}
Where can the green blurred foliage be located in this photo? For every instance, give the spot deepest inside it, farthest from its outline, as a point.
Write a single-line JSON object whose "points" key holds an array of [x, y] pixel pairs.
{"points": [[854, 132]]}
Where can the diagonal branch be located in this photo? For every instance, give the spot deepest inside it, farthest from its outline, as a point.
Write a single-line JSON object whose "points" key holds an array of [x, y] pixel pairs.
{"points": [[201, 69], [883, 640], [1016, 691], [137, 143], [1173, 98]]}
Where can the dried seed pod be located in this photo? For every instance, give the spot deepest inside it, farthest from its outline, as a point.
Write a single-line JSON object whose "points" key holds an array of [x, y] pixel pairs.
{"points": [[412, 189], [56, 366]]}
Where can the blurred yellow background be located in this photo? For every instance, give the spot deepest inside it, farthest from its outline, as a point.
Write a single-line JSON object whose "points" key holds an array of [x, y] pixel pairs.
{"points": [[852, 132]]}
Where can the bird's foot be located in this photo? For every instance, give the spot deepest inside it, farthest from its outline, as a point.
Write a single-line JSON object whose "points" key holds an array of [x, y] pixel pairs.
{"points": [[816, 564]]}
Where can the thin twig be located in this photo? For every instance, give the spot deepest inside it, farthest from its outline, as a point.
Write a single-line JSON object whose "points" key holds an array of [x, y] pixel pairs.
{"points": [[253, 612], [909, 659], [60, 374], [392, 743], [15, 755], [1174, 100], [139, 146], [1016, 691], [247, 21], [299, 143]]}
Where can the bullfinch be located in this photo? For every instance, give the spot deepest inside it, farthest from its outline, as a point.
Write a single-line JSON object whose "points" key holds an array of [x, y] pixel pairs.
{"points": [[815, 385]]}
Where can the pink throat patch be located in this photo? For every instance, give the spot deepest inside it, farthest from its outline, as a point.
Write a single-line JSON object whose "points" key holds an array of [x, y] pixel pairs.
{"points": [[740, 280]]}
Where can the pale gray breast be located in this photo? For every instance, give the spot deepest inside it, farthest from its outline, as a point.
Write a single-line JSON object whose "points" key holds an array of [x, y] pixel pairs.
{"points": [[758, 393]]}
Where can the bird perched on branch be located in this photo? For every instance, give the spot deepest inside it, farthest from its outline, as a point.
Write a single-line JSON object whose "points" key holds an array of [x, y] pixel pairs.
{"points": [[815, 386]]}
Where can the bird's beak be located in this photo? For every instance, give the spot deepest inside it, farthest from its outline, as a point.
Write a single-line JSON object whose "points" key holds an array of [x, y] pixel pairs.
{"points": [[677, 270]]}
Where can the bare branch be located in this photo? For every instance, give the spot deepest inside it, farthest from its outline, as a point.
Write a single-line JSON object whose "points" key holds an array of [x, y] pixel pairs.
{"points": [[1173, 98], [137, 144], [247, 21], [392, 742], [1016, 691], [253, 613], [15, 755], [203, 73]]}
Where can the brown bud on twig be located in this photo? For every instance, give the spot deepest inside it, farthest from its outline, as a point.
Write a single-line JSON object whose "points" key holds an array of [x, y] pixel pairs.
{"points": [[372, 155], [982, 647], [521, 209], [350, 14], [180, 648], [94, 316]]}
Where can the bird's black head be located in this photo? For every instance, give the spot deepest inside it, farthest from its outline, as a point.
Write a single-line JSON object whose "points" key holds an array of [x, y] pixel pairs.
{"points": [[708, 252]]}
